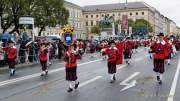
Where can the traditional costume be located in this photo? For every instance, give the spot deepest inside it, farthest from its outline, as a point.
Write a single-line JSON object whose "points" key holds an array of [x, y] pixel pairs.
{"points": [[159, 56], [70, 58], [43, 57], [11, 56], [113, 56]]}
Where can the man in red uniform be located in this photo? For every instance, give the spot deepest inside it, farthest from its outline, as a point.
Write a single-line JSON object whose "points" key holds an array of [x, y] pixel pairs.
{"points": [[112, 53], [70, 58], [43, 56], [159, 55], [120, 47], [127, 50], [11, 56]]}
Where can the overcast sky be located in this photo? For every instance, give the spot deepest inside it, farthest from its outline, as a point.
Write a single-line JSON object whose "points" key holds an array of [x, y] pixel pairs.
{"points": [[169, 8]]}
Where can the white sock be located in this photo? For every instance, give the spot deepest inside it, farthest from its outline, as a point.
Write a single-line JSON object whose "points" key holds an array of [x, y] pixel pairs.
{"points": [[161, 76], [112, 75], [70, 84], [168, 61], [157, 74], [12, 70]]}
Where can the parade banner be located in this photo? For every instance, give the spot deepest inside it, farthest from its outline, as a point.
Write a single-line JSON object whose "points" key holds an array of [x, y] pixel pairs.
{"points": [[68, 33], [124, 22]]}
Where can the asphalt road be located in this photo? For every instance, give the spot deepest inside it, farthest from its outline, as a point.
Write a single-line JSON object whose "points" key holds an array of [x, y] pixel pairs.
{"points": [[136, 82]]}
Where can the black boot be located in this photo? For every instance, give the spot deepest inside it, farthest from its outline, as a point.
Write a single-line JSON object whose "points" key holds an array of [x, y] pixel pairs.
{"points": [[160, 82], [76, 85], [158, 78], [114, 78], [70, 90]]}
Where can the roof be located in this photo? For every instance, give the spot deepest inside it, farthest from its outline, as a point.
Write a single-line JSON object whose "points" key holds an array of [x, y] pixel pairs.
{"points": [[66, 3], [116, 6]]}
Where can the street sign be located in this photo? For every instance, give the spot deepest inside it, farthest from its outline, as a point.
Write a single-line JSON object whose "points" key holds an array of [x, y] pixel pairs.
{"points": [[26, 20]]}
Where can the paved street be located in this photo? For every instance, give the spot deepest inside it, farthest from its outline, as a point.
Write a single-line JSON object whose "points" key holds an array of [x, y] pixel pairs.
{"points": [[27, 85]]}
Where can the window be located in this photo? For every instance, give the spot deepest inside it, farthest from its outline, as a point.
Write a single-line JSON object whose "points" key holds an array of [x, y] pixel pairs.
{"points": [[142, 13], [119, 14], [136, 13], [130, 14], [92, 23], [86, 16], [91, 16], [86, 23], [113, 15], [102, 15], [107, 14], [97, 16], [97, 22]]}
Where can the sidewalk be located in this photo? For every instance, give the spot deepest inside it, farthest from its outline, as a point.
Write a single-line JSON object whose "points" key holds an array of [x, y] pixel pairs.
{"points": [[26, 65]]}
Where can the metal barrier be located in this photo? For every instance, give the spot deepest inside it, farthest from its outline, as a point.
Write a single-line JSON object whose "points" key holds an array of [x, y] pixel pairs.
{"points": [[23, 56]]}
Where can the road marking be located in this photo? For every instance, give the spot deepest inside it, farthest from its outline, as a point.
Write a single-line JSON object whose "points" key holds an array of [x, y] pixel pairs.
{"points": [[121, 67], [174, 84], [38, 74], [90, 81], [131, 84]]}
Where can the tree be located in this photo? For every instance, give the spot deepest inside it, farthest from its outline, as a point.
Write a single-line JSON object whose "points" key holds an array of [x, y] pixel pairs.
{"points": [[95, 29], [45, 12], [50, 13], [142, 24]]}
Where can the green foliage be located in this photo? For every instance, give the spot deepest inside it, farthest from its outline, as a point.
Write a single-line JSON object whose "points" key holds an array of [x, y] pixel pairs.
{"points": [[46, 12], [140, 24], [95, 30]]}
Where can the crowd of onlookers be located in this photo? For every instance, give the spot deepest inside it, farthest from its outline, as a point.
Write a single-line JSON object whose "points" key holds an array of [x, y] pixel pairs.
{"points": [[28, 51]]}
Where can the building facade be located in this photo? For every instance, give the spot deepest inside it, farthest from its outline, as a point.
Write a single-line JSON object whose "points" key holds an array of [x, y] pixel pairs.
{"points": [[134, 10]]}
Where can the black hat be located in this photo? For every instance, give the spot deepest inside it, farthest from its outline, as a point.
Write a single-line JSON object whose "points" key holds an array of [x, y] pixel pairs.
{"points": [[128, 37], [160, 34], [112, 41]]}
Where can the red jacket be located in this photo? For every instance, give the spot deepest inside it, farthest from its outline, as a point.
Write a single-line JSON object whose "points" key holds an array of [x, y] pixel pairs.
{"points": [[159, 50], [112, 54], [80, 45], [71, 61], [43, 54], [120, 47], [128, 45], [169, 48], [11, 52]]}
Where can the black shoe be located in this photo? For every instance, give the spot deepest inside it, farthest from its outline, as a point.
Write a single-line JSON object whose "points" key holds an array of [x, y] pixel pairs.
{"points": [[169, 64], [160, 82], [46, 73], [13, 72], [112, 81], [76, 85], [158, 78], [42, 74], [114, 78], [70, 90]]}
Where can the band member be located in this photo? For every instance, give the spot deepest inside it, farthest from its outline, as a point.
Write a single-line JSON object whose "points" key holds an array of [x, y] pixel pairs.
{"points": [[43, 56], [70, 58], [120, 47], [11, 56], [159, 55], [112, 54], [127, 50], [169, 51]]}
